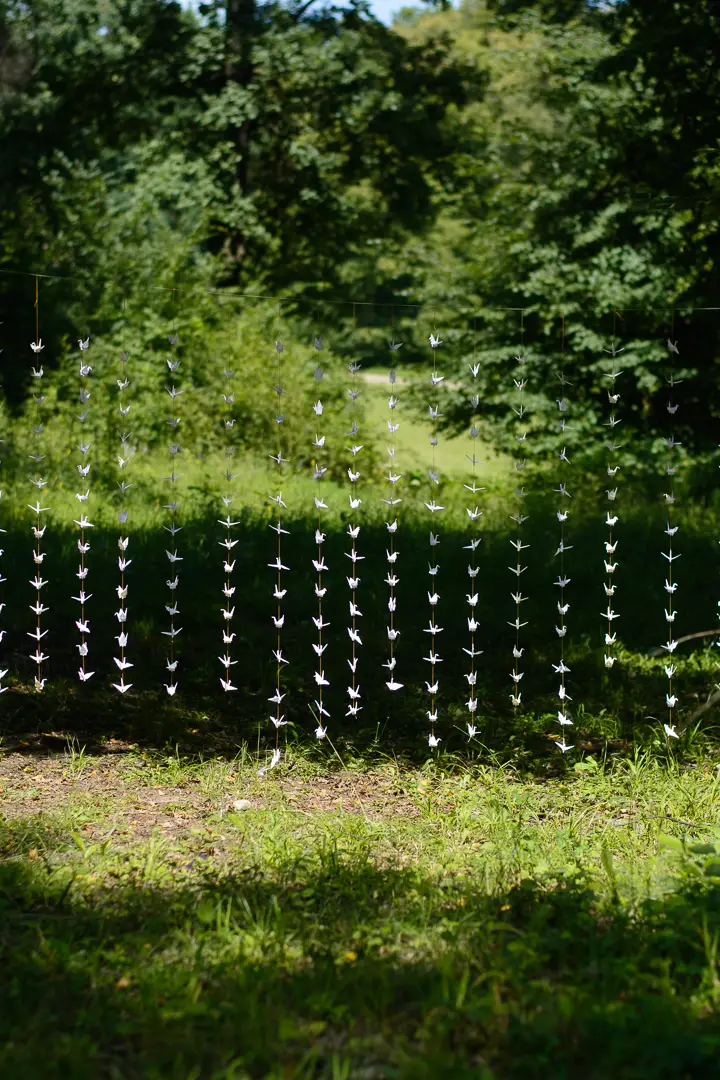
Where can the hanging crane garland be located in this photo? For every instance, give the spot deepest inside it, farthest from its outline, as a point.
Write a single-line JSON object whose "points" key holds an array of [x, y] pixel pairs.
{"points": [[228, 543], [173, 528], [391, 552], [671, 586], [474, 514], [83, 468], [353, 531], [519, 518], [433, 684], [277, 718], [611, 516], [319, 470], [39, 608], [123, 459], [562, 513], [323, 644]]}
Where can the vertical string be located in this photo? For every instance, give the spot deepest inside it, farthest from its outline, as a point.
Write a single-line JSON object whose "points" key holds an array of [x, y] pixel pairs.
{"points": [[124, 456], [228, 590], [393, 500], [518, 517], [611, 519], [320, 567], [670, 585], [84, 469], [173, 528], [474, 513], [278, 719], [353, 581], [434, 507], [562, 582], [39, 657]]}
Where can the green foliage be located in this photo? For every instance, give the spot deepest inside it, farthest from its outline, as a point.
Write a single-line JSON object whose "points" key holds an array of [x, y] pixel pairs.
{"points": [[596, 196], [557, 157], [696, 858], [146, 147], [215, 336]]}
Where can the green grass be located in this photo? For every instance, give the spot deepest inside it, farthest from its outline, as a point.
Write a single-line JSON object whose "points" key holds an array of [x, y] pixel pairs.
{"points": [[494, 911], [412, 439], [470, 922], [624, 706]]}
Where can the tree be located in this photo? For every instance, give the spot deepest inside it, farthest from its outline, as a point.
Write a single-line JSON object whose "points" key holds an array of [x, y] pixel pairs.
{"points": [[603, 199], [302, 132]]}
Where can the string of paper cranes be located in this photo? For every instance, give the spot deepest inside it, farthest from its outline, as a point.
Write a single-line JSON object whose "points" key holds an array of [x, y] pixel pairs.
{"points": [[330, 648]]}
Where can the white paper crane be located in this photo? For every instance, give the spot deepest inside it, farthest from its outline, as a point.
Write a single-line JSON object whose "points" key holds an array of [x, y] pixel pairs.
{"points": [[671, 443]]}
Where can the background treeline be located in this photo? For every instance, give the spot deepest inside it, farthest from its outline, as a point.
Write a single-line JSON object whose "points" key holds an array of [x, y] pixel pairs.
{"points": [[558, 156]]}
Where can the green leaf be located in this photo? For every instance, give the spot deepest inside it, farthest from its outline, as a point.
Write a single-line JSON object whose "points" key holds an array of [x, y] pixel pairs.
{"points": [[702, 849], [206, 911], [671, 843]]}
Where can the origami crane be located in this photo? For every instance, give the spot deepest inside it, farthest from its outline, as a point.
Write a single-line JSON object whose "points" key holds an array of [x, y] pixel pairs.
{"points": [[122, 686], [275, 759]]}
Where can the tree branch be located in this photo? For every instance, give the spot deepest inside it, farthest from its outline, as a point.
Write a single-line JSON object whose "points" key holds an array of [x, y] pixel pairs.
{"points": [[302, 9], [688, 637]]}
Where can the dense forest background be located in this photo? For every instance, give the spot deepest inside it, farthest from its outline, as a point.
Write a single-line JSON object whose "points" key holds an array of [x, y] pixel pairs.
{"points": [[169, 166]]}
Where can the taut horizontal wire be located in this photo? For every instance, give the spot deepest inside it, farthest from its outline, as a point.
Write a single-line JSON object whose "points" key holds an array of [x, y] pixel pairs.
{"points": [[228, 294]]}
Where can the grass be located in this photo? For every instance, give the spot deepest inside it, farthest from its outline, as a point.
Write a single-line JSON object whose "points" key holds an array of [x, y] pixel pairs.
{"points": [[412, 439], [370, 921], [494, 911], [624, 706]]}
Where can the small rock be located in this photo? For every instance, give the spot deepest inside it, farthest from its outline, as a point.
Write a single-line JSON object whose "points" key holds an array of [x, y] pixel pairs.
{"points": [[242, 804]]}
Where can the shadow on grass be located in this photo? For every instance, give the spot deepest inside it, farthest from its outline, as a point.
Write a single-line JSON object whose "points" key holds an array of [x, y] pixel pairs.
{"points": [[336, 968], [607, 705]]}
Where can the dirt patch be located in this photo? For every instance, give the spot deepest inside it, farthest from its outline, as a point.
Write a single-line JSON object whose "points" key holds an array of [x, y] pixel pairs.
{"points": [[101, 791], [108, 791]]}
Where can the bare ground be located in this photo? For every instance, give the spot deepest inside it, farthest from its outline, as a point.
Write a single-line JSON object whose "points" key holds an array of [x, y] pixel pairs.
{"points": [[112, 788]]}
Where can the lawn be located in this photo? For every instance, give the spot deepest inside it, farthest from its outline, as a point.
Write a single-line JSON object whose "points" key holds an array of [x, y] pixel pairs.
{"points": [[366, 909], [164, 916]]}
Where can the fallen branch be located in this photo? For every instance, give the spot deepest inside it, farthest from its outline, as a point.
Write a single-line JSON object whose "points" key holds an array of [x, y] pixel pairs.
{"points": [[688, 637], [702, 709]]}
